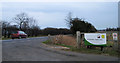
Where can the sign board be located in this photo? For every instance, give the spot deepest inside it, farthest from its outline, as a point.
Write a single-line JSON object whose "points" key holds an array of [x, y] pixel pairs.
{"points": [[97, 39], [114, 36]]}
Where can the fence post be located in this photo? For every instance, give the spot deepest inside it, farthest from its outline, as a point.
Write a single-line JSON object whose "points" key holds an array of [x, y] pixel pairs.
{"points": [[49, 38], [78, 39], [115, 45]]}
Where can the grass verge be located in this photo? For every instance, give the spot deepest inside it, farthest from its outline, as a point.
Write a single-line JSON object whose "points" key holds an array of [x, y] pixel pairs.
{"points": [[46, 42], [86, 50], [5, 38]]}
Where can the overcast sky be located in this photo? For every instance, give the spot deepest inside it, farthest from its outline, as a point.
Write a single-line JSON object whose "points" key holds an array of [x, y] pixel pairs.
{"points": [[52, 14]]}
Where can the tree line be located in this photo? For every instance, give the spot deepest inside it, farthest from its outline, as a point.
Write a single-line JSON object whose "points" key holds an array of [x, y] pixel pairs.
{"points": [[111, 29], [7, 29], [29, 25]]}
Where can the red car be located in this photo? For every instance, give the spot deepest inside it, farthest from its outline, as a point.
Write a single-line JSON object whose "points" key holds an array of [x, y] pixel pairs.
{"points": [[18, 34]]}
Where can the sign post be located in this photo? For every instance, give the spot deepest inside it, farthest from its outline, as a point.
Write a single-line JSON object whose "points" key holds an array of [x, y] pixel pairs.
{"points": [[115, 38]]}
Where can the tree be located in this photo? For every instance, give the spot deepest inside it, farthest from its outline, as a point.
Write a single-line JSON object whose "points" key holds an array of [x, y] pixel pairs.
{"points": [[5, 25], [7, 29], [77, 24], [81, 25], [26, 24], [24, 21], [20, 19], [55, 31], [36, 30], [69, 19], [32, 22]]}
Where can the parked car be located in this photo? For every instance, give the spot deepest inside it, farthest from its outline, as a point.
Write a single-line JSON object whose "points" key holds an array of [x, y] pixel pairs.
{"points": [[18, 34]]}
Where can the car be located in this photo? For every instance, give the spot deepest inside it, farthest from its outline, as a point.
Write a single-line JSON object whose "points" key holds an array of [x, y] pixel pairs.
{"points": [[18, 34]]}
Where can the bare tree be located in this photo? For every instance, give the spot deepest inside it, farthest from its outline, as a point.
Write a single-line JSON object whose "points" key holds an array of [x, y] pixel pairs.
{"points": [[69, 19], [22, 20], [32, 22]]}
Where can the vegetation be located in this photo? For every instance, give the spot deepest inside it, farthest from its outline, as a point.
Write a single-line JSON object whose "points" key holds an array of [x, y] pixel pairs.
{"points": [[87, 50], [111, 29], [95, 51], [22, 22], [46, 42], [77, 24], [5, 38], [28, 24], [55, 31], [82, 26]]}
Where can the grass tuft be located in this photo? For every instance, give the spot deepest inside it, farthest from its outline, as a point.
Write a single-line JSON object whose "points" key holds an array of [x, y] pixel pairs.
{"points": [[46, 42]]}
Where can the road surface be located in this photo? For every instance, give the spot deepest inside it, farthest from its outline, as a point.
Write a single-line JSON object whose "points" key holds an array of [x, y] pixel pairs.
{"points": [[32, 49]]}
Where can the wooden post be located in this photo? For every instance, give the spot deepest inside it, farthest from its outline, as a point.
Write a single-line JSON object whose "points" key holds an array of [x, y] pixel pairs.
{"points": [[49, 38], [119, 39], [78, 39], [115, 45], [102, 48]]}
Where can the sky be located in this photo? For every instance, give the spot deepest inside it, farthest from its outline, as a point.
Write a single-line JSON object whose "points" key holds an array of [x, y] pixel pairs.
{"points": [[59, 0], [53, 14]]}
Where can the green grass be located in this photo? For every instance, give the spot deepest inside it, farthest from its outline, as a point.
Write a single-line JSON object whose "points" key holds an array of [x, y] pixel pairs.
{"points": [[64, 45], [37, 36], [97, 50], [46, 42], [5, 38], [93, 51]]}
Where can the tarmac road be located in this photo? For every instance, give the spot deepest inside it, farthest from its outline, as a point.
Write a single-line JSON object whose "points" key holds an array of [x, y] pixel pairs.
{"points": [[32, 49]]}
